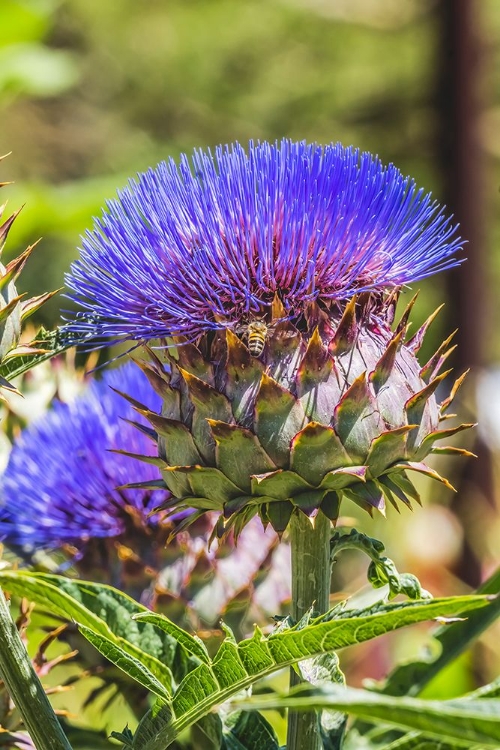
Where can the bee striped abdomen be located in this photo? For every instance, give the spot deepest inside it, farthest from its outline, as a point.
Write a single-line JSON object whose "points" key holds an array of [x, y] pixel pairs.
{"points": [[257, 332]]}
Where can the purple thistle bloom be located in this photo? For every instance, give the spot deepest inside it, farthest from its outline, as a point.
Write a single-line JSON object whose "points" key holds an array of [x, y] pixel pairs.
{"points": [[60, 484], [206, 244]]}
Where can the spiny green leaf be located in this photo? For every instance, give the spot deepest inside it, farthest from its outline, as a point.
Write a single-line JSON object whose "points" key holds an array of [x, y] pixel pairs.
{"points": [[206, 481], [134, 666], [317, 383], [386, 449], [477, 721], [192, 644], [347, 330], [190, 359], [152, 723], [453, 639], [384, 366], [280, 512], [180, 449], [339, 479], [249, 730], [105, 611], [243, 379], [260, 656]]}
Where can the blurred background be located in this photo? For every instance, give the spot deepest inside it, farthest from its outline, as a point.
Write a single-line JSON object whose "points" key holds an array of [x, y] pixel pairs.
{"points": [[92, 92]]}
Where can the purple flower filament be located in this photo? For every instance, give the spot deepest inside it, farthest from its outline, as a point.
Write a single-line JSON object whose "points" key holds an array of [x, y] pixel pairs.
{"points": [[207, 243]]}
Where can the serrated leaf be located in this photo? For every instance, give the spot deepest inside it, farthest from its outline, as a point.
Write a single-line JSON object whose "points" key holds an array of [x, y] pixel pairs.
{"points": [[192, 644], [52, 342], [151, 724], [104, 610], [476, 721], [259, 656], [134, 666], [249, 730], [410, 679]]}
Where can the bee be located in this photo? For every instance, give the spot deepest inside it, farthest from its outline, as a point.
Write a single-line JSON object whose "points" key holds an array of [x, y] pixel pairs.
{"points": [[257, 332]]}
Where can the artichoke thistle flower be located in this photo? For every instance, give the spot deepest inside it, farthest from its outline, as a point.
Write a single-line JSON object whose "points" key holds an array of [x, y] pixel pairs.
{"points": [[60, 484], [270, 279]]}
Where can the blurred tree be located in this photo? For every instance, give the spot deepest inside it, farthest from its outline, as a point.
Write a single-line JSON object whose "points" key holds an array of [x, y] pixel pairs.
{"points": [[460, 104]]}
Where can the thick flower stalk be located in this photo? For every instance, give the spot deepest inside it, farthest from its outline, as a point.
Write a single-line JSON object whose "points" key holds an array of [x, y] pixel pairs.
{"points": [[271, 278]]}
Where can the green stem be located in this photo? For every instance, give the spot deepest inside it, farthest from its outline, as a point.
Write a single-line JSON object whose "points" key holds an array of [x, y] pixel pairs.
{"points": [[311, 574], [25, 689]]}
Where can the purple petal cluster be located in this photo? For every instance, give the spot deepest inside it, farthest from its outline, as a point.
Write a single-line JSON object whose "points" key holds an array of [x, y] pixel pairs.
{"points": [[206, 244], [60, 483]]}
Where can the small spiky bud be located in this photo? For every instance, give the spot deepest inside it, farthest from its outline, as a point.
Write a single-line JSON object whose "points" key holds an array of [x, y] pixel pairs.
{"points": [[14, 309], [271, 279]]}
